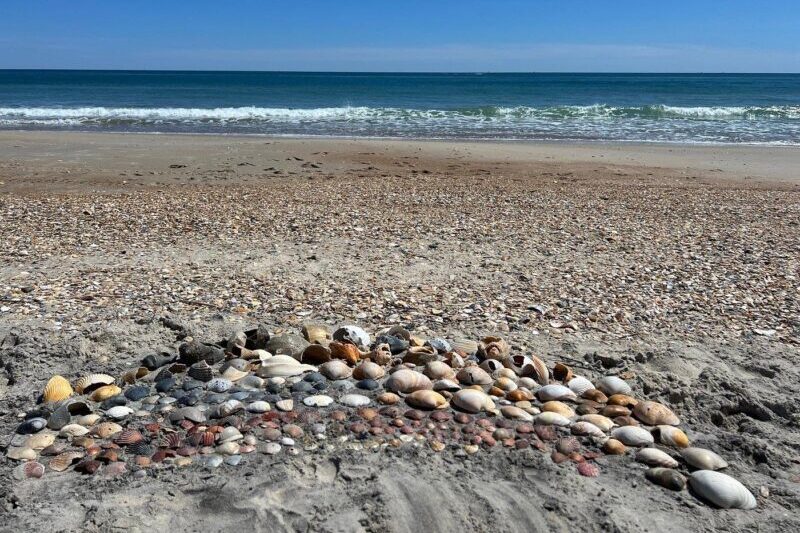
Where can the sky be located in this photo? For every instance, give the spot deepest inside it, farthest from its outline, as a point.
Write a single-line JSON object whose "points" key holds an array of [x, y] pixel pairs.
{"points": [[398, 35]]}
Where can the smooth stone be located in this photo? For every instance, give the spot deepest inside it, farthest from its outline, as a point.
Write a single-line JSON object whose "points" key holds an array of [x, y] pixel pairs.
{"points": [[272, 448], [303, 387], [314, 377], [233, 460], [287, 441], [354, 400], [258, 407], [342, 385], [285, 405], [368, 384]]}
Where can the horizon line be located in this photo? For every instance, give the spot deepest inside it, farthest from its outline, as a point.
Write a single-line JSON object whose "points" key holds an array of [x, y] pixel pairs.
{"points": [[473, 72]]}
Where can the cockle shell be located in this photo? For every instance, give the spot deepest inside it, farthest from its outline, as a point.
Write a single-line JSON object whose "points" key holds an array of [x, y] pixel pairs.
{"points": [[201, 371], [87, 384], [436, 370], [633, 436], [493, 348], [335, 369], [603, 422], [346, 351], [105, 392], [406, 380], [586, 429], [515, 413], [21, 453], [352, 334], [119, 412], [558, 407], [671, 436], [579, 385], [655, 457], [73, 430], [39, 441], [61, 462], [128, 436], [610, 385], [551, 419], [105, 429], [588, 469], [473, 401], [474, 375], [721, 490], [654, 414], [703, 459], [57, 389], [368, 370], [555, 392], [426, 399], [667, 478]]}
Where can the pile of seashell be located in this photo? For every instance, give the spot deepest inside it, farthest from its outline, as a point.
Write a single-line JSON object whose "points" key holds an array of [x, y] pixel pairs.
{"points": [[215, 403]]}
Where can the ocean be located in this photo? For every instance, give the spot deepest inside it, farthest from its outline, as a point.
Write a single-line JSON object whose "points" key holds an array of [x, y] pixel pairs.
{"points": [[668, 108]]}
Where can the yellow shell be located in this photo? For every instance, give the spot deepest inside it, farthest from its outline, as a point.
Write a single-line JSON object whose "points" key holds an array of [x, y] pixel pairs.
{"points": [[105, 392], [57, 389], [388, 398], [426, 399], [132, 376], [613, 447], [92, 381], [672, 436], [558, 407]]}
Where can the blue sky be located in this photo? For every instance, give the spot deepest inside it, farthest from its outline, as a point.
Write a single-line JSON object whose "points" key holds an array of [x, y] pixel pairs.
{"points": [[383, 35]]}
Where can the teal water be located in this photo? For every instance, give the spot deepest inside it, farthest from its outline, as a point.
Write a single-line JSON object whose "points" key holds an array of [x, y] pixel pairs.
{"points": [[688, 108]]}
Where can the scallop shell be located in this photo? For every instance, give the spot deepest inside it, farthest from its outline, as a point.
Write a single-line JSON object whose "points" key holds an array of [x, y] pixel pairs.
{"points": [[201, 371], [473, 401], [551, 419], [515, 413], [655, 457], [655, 414], [106, 429], [613, 447], [316, 354], [336, 369], [558, 407], [633, 436], [426, 399], [368, 370], [61, 462], [603, 422], [32, 469], [406, 380], [119, 412], [87, 384], [21, 453], [671, 436], [579, 385], [316, 333], [436, 370], [105, 392], [57, 389], [555, 392], [586, 429], [39, 441], [345, 350], [610, 385], [354, 400], [352, 334], [703, 459], [128, 436], [667, 478], [474, 375], [73, 430], [721, 490]]}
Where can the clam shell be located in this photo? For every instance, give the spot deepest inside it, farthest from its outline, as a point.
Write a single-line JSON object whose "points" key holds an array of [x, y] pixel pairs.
{"points": [[610, 385], [352, 334], [228, 448], [519, 394], [562, 373], [345, 351], [558, 407], [420, 355], [119, 412], [654, 414], [579, 385], [586, 429], [259, 406], [87, 384], [667, 478], [613, 447], [61, 462], [537, 370], [465, 346], [721, 490], [316, 333], [551, 419], [555, 392], [436, 370], [473, 401], [406, 380], [336, 369], [655, 457], [388, 398], [285, 405], [354, 400], [368, 370], [39, 441], [73, 430], [105, 429], [671, 436], [446, 385], [88, 420], [603, 422], [105, 392], [594, 395], [703, 459], [229, 434], [515, 413], [316, 354], [21, 453], [57, 389], [227, 408], [474, 375], [623, 400], [505, 384], [426, 399], [633, 436]]}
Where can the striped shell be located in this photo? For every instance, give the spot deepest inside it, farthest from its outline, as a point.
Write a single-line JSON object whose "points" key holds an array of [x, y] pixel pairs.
{"points": [[105, 392], [655, 457], [57, 389], [141, 448], [200, 371], [587, 429], [128, 436], [406, 380], [173, 440], [579, 385], [703, 459], [721, 490], [588, 469], [87, 384], [61, 462]]}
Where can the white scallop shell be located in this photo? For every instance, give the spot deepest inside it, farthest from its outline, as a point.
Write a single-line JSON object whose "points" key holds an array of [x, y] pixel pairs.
{"points": [[555, 392], [721, 490], [655, 457], [703, 459], [579, 385], [633, 436], [119, 412], [610, 385], [549, 418], [586, 429]]}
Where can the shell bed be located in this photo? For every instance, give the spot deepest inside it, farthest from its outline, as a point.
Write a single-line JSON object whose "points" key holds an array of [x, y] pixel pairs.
{"points": [[214, 404]]}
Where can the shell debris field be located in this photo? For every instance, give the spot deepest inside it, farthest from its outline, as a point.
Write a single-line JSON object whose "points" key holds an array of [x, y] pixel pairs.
{"points": [[210, 406]]}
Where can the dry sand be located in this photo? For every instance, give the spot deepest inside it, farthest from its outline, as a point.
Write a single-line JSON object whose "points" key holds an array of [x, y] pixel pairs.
{"points": [[677, 264]]}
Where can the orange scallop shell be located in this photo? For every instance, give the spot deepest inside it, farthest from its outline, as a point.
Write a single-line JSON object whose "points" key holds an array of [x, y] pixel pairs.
{"points": [[57, 389]]}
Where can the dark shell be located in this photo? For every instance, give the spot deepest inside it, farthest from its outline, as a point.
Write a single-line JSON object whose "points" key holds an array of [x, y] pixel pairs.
{"points": [[191, 384], [114, 401], [396, 344], [128, 436], [54, 449], [140, 448], [164, 373], [201, 371], [151, 362], [60, 418], [32, 425], [88, 466], [194, 352], [165, 384], [368, 384], [440, 345], [137, 392], [173, 440], [667, 478], [257, 339]]}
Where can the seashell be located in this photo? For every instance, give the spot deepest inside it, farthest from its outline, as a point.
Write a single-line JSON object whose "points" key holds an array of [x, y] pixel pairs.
{"points": [[104, 393], [580, 385], [633, 436], [610, 385], [562, 373], [426, 399], [21, 453], [655, 414], [558, 407], [128, 436], [132, 376], [316, 354], [667, 478], [318, 400], [237, 338], [465, 346], [119, 412], [519, 395], [61, 462], [234, 374], [623, 400], [625, 421], [703, 459], [228, 407], [614, 447], [259, 406], [588, 469], [32, 425], [493, 348], [551, 419], [219, 385], [200, 371], [387, 398], [250, 382], [440, 345], [454, 360], [88, 420], [613, 411], [420, 355], [105, 429], [586, 429], [505, 384], [336, 369], [354, 400], [555, 392], [474, 375], [515, 413], [173, 440], [406, 380], [594, 395], [491, 365], [57, 389], [153, 361], [603, 422], [528, 383], [32, 469], [446, 385], [345, 351], [228, 448], [285, 405], [721, 490], [146, 449], [190, 353], [230, 434], [655, 457], [87, 384], [282, 366], [671, 436], [473, 401], [436, 370], [39, 441], [381, 354], [568, 445], [137, 393], [73, 430], [368, 370], [193, 414], [316, 333], [354, 335]]}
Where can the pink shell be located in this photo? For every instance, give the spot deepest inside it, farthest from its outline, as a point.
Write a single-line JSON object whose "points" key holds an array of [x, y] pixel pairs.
{"points": [[588, 469]]}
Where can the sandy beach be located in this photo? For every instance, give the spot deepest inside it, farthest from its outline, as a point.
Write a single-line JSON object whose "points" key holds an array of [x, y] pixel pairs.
{"points": [[675, 265]]}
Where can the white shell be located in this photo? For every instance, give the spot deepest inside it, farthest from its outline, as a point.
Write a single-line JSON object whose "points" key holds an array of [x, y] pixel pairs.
{"points": [[555, 392], [549, 418], [318, 400], [721, 490], [229, 434], [587, 429], [354, 400], [655, 457], [358, 336], [603, 422], [579, 385], [633, 436], [282, 366], [610, 385], [703, 459], [73, 430], [228, 448], [119, 412], [259, 406], [515, 413], [528, 383]]}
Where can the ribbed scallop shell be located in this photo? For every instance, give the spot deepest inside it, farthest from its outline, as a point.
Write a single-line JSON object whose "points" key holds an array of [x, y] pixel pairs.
{"points": [[173, 440], [579, 385], [104, 393], [62, 461], [721, 490], [633, 436], [87, 384], [141, 448], [57, 389], [655, 457], [426, 399], [406, 380], [128, 436]]}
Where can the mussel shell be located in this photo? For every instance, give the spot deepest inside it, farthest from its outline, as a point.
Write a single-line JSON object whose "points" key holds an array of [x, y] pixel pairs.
{"points": [[32, 425]]}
